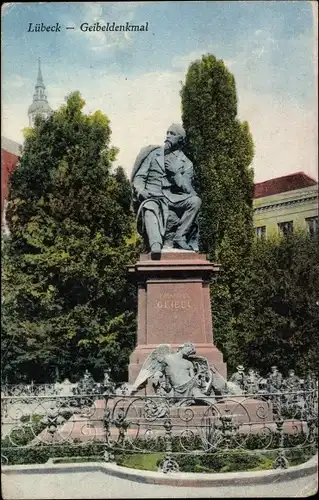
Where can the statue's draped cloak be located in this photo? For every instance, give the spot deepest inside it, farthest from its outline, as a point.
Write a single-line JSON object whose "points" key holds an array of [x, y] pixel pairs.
{"points": [[143, 154]]}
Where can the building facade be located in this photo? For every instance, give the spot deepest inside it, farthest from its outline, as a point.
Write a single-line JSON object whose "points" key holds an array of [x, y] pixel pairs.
{"points": [[285, 204], [10, 152]]}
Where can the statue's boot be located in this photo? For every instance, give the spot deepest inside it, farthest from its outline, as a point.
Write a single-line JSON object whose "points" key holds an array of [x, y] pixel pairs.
{"points": [[168, 244], [183, 234], [156, 251], [182, 244]]}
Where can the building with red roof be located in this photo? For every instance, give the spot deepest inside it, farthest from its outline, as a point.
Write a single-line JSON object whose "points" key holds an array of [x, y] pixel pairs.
{"points": [[283, 184], [286, 203]]}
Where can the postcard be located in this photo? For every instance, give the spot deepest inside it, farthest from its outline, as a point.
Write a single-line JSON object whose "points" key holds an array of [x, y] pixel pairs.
{"points": [[136, 67]]}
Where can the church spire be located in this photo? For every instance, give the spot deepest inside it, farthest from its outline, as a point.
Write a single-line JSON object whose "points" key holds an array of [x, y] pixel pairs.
{"points": [[40, 105], [40, 79]]}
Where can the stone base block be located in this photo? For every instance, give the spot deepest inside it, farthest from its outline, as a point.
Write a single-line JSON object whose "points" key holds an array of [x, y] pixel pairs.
{"points": [[243, 411], [174, 307], [249, 415]]}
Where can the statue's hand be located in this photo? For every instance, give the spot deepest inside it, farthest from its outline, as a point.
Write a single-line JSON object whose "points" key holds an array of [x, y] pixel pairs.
{"points": [[187, 188], [184, 184], [171, 166]]}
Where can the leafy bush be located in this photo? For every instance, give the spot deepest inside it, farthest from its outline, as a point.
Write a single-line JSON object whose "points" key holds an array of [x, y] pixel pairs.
{"points": [[220, 462], [41, 453]]}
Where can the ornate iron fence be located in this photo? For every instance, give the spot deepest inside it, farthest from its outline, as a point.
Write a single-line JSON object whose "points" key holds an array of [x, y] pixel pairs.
{"points": [[85, 385], [278, 423]]}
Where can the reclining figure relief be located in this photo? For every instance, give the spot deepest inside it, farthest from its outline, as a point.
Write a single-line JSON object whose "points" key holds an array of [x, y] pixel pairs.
{"points": [[182, 376]]}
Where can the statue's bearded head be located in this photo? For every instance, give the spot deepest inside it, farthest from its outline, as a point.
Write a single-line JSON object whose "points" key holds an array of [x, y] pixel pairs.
{"points": [[188, 349], [175, 137]]}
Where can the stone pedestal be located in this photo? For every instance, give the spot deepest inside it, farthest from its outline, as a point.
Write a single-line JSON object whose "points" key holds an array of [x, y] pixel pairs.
{"points": [[174, 306]]}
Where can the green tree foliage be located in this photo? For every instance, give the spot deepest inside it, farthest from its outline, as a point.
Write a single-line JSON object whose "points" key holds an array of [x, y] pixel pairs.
{"points": [[221, 149], [280, 325], [67, 301]]}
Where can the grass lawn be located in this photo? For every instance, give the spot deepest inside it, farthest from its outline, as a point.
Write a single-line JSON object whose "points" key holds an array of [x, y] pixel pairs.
{"points": [[142, 461]]}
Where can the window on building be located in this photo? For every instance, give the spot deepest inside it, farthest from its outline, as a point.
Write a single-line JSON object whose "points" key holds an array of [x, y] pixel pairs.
{"points": [[312, 225], [286, 227], [261, 231]]}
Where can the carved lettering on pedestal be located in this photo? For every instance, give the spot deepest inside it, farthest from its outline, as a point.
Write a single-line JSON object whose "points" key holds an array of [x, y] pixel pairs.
{"points": [[174, 301]]}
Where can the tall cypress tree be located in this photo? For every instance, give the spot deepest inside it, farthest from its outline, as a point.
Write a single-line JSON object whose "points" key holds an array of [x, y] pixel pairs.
{"points": [[67, 301], [221, 149]]}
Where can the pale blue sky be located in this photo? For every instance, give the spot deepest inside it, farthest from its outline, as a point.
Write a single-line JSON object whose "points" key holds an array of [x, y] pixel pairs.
{"points": [[135, 78]]}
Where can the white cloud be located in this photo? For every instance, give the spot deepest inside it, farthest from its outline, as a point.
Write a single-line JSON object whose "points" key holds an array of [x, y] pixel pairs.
{"points": [[15, 82], [14, 118], [182, 62], [140, 110], [284, 134]]}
